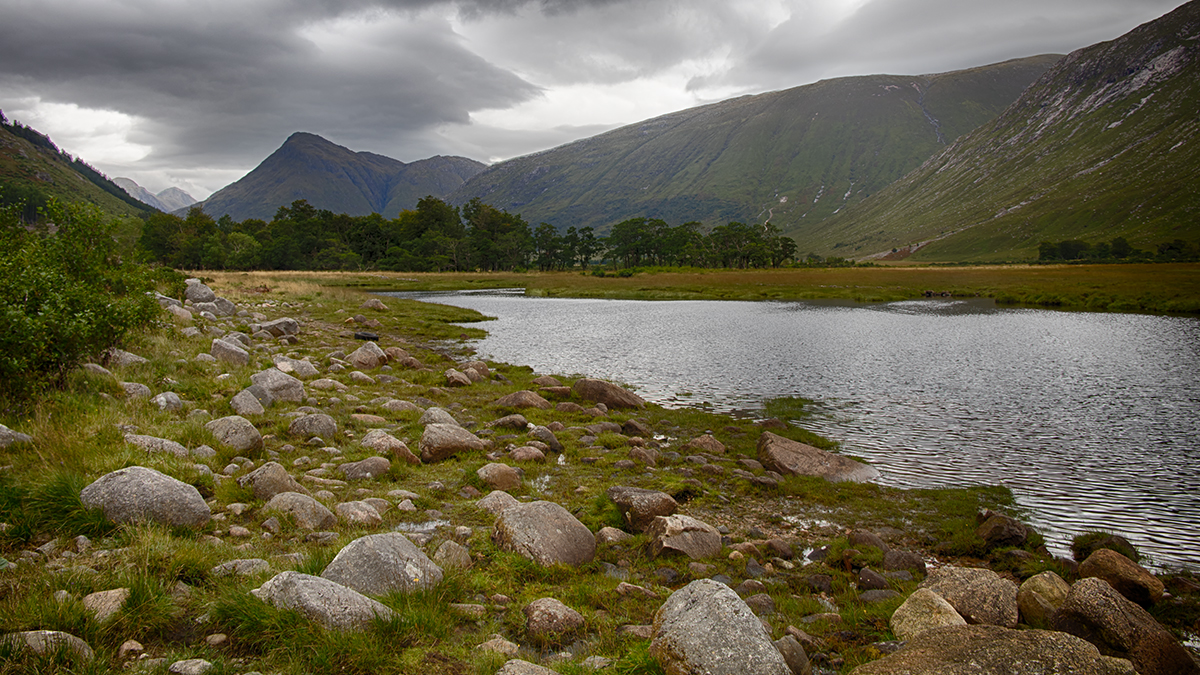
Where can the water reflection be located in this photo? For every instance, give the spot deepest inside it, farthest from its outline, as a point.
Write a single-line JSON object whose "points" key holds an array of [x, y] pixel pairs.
{"points": [[1089, 418]]}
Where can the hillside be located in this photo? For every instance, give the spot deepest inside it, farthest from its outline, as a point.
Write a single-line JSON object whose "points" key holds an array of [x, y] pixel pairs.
{"points": [[33, 169], [332, 177], [791, 156], [1103, 145]]}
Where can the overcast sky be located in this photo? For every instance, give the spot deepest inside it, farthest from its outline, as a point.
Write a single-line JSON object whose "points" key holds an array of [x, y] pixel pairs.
{"points": [[195, 93]]}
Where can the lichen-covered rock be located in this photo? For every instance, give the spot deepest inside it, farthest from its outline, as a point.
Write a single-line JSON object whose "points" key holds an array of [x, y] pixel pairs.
{"points": [[607, 393], [994, 650], [367, 357], [497, 501], [280, 385], [318, 424], [235, 432], [138, 494], [440, 441], [548, 619], [308, 513], [154, 444], [334, 606], [978, 595], [229, 352], [705, 627], [523, 399], [923, 610], [358, 513], [789, 457], [1040, 596], [269, 480], [46, 642], [546, 533], [366, 469], [640, 506], [384, 443], [379, 564], [682, 534]]}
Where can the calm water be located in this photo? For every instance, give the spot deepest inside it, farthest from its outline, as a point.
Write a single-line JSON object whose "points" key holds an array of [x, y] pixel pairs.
{"points": [[1092, 420]]}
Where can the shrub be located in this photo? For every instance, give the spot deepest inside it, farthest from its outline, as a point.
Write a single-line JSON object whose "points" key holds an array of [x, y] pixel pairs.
{"points": [[65, 293], [1085, 544]]}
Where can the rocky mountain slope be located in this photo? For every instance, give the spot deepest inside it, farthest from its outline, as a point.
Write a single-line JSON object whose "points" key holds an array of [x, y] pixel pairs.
{"points": [[793, 156], [335, 178], [171, 199], [1103, 145]]}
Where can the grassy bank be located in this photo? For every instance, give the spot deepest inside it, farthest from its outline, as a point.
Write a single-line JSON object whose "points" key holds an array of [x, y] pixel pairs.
{"points": [[179, 607], [1158, 288]]}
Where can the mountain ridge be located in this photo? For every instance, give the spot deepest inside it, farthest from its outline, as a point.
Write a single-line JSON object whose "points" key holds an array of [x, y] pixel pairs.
{"points": [[170, 199]]}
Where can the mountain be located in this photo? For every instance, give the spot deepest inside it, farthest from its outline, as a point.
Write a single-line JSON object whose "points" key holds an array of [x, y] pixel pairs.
{"points": [[332, 177], [791, 156], [1103, 145], [33, 169], [171, 199]]}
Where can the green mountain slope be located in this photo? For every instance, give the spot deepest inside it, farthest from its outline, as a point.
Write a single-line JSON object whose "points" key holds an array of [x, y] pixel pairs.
{"points": [[1105, 144], [332, 177], [791, 156], [33, 169]]}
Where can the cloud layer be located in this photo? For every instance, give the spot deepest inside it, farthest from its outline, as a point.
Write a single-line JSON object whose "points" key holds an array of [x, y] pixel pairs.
{"points": [[196, 93]]}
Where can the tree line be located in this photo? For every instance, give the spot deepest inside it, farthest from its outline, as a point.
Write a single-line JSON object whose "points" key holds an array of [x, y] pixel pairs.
{"points": [[1117, 249], [436, 237]]}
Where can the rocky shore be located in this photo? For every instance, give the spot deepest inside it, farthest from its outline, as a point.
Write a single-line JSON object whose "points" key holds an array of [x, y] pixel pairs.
{"points": [[342, 492]]}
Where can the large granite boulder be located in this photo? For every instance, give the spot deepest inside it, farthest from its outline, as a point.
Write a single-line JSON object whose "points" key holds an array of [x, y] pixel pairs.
{"points": [[197, 291], [316, 424], [705, 627], [436, 415], [365, 469], [523, 399], [378, 564], [328, 603], [607, 393], [1098, 613], [923, 610], [440, 441], [1129, 578], [236, 432], [269, 480], [994, 650], [682, 534], [1040, 596], [640, 506], [281, 327], [367, 357], [548, 619], [138, 494], [499, 476], [280, 385], [47, 642], [386, 444], [978, 595], [546, 533], [230, 352], [9, 437], [788, 457], [308, 513]]}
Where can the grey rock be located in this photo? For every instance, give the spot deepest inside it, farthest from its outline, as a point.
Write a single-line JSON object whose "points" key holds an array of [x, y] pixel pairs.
{"points": [[549, 618], [295, 367], [332, 605], [640, 506], [190, 667], [119, 358], [452, 554], [544, 532], [999, 530], [307, 512], [435, 415], [138, 494], [235, 432], [198, 292], [499, 476], [682, 534], [242, 568], [9, 437], [384, 443], [46, 642], [994, 650], [281, 327], [794, 655], [366, 469], [246, 403], [280, 385], [154, 444], [318, 424], [923, 610], [168, 401], [497, 501], [523, 399], [1040, 596], [269, 480], [379, 564], [440, 441], [789, 457], [136, 390], [367, 357], [229, 351], [519, 667], [607, 393], [979, 595], [546, 436], [358, 513], [705, 627]]}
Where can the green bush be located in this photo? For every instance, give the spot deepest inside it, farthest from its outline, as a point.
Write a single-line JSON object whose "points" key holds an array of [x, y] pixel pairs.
{"points": [[65, 294]]}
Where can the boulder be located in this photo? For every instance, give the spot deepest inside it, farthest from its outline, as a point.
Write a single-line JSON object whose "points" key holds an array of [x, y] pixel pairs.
{"points": [[281, 327], [794, 655], [789, 457], [523, 399], [519, 667], [154, 444], [399, 406], [367, 357], [1040, 596], [999, 530], [318, 424], [179, 314], [895, 559], [978, 595], [496, 502], [923, 610], [607, 393], [705, 443], [332, 605], [136, 390], [499, 476], [682, 534], [196, 291], [640, 506], [1129, 578], [138, 494], [705, 627], [246, 403], [546, 436], [295, 367], [457, 378], [994, 650], [168, 401], [1098, 613], [452, 554], [47, 642], [228, 351], [269, 480], [104, 604], [549, 619], [308, 513], [382, 442], [366, 469], [516, 422], [436, 415], [280, 385], [527, 453], [379, 564], [119, 358], [9, 437], [544, 532], [440, 441], [235, 432], [375, 304]]}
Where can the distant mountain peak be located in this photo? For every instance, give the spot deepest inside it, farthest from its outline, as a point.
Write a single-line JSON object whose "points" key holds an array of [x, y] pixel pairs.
{"points": [[171, 199]]}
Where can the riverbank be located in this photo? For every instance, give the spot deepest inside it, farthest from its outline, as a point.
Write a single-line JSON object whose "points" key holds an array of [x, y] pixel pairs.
{"points": [[183, 604]]}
